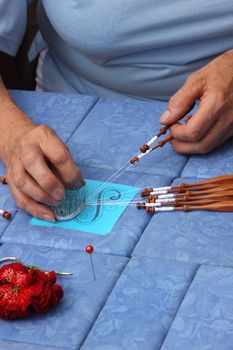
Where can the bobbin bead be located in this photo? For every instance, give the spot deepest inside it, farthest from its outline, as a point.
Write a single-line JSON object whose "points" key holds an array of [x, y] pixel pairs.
{"points": [[89, 249], [144, 148], [146, 192], [163, 130], [150, 210], [152, 198], [6, 215]]}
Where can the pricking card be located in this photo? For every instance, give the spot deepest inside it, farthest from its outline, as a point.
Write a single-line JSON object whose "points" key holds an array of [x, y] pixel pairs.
{"points": [[105, 202]]}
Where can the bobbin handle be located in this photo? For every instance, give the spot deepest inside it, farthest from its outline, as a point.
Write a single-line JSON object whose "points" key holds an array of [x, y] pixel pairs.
{"points": [[163, 142], [225, 206], [163, 130]]}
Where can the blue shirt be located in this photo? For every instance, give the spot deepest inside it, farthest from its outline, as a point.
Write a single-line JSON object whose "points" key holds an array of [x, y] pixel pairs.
{"points": [[142, 49]]}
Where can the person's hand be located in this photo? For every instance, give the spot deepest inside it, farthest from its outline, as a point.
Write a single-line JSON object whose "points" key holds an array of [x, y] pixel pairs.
{"points": [[38, 166], [212, 123]]}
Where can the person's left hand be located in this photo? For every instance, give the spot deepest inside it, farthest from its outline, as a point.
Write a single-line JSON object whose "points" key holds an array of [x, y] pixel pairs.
{"points": [[212, 123]]}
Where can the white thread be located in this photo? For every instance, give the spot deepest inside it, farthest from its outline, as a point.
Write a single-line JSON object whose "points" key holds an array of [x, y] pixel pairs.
{"points": [[134, 200], [158, 192], [152, 140], [141, 155], [165, 209], [113, 204], [152, 205], [161, 188], [117, 173], [168, 195], [166, 200]]}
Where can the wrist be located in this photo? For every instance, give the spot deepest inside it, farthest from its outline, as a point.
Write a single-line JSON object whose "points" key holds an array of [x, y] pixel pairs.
{"points": [[13, 124]]}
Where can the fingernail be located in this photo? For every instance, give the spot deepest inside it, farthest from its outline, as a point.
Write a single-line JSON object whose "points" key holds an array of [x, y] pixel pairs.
{"points": [[165, 117], [58, 193], [47, 217]]}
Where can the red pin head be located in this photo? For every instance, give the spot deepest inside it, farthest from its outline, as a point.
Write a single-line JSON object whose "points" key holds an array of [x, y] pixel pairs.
{"points": [[89, 249]]}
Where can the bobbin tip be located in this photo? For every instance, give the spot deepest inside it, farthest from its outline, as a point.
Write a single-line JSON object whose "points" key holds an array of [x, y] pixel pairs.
{"points": [[6, 215], [134, 160], [163, 130], [141, 205]]}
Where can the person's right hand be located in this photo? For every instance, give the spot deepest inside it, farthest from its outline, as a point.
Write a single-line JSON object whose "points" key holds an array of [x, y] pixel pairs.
{"points": [[39, 166]]}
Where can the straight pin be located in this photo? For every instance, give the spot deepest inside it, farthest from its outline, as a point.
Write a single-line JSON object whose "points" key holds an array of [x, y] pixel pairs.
{"points": [[90, 249]]}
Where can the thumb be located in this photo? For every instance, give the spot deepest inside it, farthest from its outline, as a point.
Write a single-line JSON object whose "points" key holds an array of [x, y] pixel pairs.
{"points": [[182, 101]]}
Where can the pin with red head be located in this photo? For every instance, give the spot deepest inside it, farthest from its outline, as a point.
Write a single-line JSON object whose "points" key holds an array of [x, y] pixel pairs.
{"points": [[89, 250]]}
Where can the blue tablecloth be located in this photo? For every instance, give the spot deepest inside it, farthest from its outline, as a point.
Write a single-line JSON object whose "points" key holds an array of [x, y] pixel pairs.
{"points": [[163, 281]]}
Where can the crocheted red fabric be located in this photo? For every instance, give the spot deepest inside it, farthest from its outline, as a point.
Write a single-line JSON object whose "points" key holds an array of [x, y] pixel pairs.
{"points": [[24, 289]]}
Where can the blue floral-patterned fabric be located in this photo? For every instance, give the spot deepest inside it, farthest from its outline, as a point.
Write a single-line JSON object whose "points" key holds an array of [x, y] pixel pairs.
{"points": [[120, 241], [142, 306], [68, 324], [205, 318], [10, 345], [218, 162], [203, 237], [154, 299], [123, 126], [62, 112]]}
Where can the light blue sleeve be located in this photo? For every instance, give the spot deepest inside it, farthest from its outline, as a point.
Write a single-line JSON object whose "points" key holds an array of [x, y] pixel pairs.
{"points": [[13, 16]]}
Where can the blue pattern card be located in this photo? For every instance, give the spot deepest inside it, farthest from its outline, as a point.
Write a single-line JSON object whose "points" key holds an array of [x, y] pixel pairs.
{"points": [[105, 204]]}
